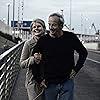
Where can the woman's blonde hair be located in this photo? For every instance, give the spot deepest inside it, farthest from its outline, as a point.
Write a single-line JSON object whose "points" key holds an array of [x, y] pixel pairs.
{"points": [[38, 21]]}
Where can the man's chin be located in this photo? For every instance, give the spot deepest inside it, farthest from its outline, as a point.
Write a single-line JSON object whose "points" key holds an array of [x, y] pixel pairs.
{"points": [[52, 32]]}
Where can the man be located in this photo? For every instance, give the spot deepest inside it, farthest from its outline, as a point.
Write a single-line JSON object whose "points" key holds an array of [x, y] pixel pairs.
{"points": [[57, 49], [28, 60]]}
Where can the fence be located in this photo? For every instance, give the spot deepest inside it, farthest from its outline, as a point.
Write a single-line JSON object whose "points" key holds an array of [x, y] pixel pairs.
{"points": [[9, 68]]}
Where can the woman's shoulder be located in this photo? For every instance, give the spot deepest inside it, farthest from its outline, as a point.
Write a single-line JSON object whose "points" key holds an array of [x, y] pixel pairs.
{"points": [[30, 41]]}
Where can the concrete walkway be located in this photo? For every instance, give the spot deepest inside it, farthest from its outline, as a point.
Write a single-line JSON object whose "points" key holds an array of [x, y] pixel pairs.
{"points": [[87, 86], [19, 91]]}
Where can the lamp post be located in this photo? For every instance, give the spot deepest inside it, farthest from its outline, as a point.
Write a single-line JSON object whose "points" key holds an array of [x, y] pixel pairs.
{"points": [[70, 13], [90, 30], [13, 15], [62, 12], [81, 26], [4, 20], [85, 25], [8, 5]]}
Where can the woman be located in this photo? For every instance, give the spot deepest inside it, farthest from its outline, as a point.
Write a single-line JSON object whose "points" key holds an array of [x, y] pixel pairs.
{"points": [[37, 29]]}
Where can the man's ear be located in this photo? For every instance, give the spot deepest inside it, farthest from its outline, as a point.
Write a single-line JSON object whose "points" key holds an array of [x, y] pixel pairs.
{"points": [[61, 26]]}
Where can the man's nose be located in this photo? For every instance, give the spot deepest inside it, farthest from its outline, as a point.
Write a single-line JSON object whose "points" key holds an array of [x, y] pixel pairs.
{"points": [[50, 27]]}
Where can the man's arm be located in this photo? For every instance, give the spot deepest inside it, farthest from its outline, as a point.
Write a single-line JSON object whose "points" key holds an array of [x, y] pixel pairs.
{"points": [[81, 50], [39, 77]]}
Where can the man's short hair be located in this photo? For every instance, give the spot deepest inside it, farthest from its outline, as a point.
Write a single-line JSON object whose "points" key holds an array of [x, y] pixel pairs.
{"points": [[61, 19]]}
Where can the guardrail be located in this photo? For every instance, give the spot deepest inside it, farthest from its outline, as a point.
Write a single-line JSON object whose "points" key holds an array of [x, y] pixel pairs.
{"points": [[9, 68]]}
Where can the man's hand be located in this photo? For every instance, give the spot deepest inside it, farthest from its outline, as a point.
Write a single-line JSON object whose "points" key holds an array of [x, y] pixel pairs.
{"points": [[72, 74], [42, 84], [37, 57]]}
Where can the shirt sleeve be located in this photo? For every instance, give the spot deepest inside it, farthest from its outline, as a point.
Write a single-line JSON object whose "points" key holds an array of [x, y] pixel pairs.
{"points": [[38, 73], [81, 50]]}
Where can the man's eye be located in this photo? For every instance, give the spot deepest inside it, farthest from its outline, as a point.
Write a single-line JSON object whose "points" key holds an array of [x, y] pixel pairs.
{"points": [[52, 24], [49, 24]]}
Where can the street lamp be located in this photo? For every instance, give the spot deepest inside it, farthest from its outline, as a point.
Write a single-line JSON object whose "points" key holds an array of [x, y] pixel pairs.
{"points": [[70, 13], [90, 30], [8, 5], [62, 12], [81, 26], [85, 25], [13, 15], [4, 20]]}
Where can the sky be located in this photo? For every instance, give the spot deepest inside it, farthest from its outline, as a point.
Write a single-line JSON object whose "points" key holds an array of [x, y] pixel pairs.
{"points": [[83, 12]]}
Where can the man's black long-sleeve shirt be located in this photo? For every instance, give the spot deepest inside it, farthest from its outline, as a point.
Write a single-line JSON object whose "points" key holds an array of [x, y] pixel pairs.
{"points": [[58, 56]]}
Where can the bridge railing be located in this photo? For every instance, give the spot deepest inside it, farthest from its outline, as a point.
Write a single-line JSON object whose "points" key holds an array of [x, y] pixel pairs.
{"points": [[9, 68]]}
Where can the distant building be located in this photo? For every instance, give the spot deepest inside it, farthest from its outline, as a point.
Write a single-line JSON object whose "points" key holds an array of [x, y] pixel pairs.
{"points": [[22, 29]]}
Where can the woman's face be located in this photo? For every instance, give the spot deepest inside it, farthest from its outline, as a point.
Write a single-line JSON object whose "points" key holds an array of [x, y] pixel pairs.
{"points": [[37, 29]]}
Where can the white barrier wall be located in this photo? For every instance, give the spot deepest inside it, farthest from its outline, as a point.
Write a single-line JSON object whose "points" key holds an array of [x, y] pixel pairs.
{"points": [[4, 41], [5, 28], [94, 46]]}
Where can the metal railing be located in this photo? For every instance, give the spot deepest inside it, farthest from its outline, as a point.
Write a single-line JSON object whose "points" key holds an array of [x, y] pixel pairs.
{"points": [[9, 68]]}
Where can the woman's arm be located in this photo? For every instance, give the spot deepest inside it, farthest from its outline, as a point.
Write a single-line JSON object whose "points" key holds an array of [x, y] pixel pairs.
{"points": [[26, 59]]}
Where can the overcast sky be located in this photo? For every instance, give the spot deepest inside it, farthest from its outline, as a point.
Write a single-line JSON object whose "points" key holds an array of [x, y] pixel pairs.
{"points": [[84, 12]]}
